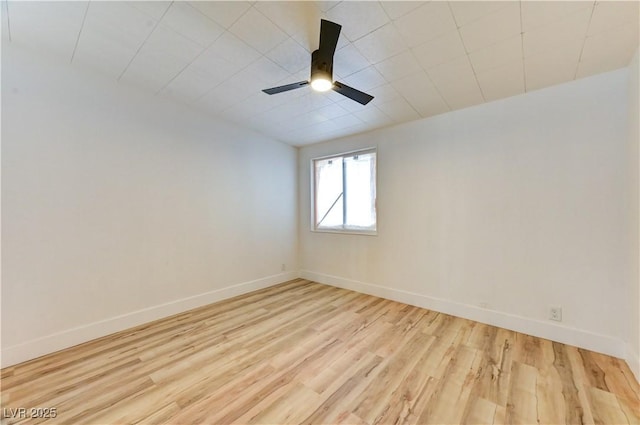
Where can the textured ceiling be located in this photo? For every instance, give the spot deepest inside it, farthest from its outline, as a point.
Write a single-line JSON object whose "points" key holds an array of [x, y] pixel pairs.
{"points": [[417, 58]]}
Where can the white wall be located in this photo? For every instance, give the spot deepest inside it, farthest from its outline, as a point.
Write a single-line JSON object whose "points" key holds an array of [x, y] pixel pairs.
{"points": [[633, 338], [519, 203], [119, 207]]}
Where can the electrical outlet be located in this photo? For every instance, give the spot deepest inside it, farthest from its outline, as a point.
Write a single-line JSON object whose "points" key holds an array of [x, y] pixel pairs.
{"points": [[555, 313], [283, 267], [483, 304]]}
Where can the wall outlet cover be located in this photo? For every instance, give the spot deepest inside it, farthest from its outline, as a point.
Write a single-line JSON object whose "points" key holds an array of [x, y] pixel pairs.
{"points": [[555, 313]]}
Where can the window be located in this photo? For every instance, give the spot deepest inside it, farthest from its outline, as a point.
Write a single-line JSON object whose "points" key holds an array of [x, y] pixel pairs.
{"points": [[345, 192]]}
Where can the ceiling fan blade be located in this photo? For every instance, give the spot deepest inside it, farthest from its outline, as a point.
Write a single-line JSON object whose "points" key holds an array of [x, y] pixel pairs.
{"points": [[329, 33], [287, 87], [352, 93]]}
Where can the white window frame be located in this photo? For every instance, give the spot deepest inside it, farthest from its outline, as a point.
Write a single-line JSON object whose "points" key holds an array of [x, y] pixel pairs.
{"points": [[343, 230]]}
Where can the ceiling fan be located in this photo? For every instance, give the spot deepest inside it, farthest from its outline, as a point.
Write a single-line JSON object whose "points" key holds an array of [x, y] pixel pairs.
{"points": [[322, 68]]}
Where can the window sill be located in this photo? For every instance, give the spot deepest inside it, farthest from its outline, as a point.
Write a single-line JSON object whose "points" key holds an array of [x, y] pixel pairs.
{"points": [[347, 231]]}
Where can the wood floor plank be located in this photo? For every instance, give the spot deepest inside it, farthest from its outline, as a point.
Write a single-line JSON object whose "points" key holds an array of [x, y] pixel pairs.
{"points": [[580, 381], [500, 417], [455, 388], [406, 399], [337, 369], [301, 352], [630, 409], [281, 379], [372, 401], [290, 408], [616, 378], [492, 383], [161, 415], [574, 411], [343, 396], [197, 412], [522, 405], [426, 392], [607, 410], [479, 411]]}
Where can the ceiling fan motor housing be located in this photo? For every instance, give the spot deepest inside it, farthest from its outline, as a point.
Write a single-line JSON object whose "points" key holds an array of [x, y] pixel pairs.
{"points": [[321, 67]]}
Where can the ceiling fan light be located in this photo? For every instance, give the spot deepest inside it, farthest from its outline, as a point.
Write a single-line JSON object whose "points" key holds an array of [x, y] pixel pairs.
{"points": [[321, 84]]}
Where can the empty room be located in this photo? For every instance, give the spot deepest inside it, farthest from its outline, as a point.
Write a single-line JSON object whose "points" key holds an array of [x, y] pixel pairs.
{"points": [[331, 212]]}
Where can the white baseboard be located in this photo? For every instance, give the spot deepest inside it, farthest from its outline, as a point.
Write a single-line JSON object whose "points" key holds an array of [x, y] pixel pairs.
{"points": [[571, 336], [633, 360], [70, 337]]}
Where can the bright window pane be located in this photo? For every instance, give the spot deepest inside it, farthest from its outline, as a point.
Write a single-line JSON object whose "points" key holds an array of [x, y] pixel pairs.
{"points": [[360, 190], [329, 196]]}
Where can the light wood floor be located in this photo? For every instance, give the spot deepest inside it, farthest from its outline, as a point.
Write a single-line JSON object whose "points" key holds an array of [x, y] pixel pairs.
{"points": [[302, 352]]}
